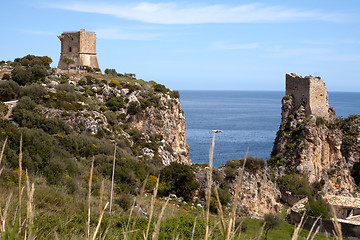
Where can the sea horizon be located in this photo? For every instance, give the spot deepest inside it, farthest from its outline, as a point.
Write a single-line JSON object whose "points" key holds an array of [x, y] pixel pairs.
{"points": [[249, 119]]}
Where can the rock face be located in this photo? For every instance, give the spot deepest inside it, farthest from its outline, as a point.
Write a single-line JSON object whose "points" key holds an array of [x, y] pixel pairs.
{"points": [[169, 121], [121, 108], [309, 141], [259, 194]]}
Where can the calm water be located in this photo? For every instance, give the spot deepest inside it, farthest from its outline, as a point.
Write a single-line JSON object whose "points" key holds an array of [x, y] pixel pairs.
{"points": [[249, 119]]}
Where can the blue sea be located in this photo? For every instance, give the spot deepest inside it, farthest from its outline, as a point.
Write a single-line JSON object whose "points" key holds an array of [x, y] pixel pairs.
{"points": [[248, 119]]}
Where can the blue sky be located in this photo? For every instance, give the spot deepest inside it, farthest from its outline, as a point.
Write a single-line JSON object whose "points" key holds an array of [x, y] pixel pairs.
{"points": [[200, 45]]}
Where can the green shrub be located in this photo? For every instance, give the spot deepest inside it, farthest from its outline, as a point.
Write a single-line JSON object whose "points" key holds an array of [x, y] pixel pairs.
{"points": [[115, 103], [133, 108], [3, 110], [6, 76], [160, 88], [317, 207], [180, 179], [124, 200], [296, 184], [9, 90], [34, 91]]}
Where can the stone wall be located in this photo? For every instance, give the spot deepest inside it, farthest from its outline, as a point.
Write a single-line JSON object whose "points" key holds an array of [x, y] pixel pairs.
{"points": [[311, 93], [348, 230], [80, 47]]}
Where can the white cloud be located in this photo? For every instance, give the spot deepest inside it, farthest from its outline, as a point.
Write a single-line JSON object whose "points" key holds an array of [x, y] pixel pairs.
{"points": [[228, 46], [125, 34], [173, 13]]}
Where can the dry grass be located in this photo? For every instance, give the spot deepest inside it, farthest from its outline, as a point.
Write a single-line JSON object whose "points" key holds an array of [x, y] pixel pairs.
{"points": [[153, 198], [112, 180], [89, 200], [208, 189], [231, 223]]}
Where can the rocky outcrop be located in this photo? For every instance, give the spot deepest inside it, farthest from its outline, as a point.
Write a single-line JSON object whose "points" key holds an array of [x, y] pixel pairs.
{"points": [[259, 194], [313, 145], [113, 108], [169, 121]]}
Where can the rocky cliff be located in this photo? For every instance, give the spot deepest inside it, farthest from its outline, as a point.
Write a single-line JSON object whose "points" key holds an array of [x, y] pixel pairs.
{"points": [[146, 114], [259, 194], [314, 145]]}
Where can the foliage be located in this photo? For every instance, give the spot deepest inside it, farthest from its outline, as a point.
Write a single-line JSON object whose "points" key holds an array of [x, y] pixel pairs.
{"points": [[9, 90], [133, 108], [180, 179], [160, 88], [3, 110], [295, 183], [115, 103], [276, 161], [272, 221], [34, 91], [317, 207]]}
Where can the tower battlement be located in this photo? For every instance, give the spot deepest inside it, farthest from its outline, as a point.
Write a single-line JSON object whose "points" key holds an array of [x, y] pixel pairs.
{"points": [[80, 47], [311, 93]]}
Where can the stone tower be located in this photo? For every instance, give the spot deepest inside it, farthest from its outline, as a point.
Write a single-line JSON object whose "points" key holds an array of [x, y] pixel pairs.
{"points": [[311, 93], [80, 47]]}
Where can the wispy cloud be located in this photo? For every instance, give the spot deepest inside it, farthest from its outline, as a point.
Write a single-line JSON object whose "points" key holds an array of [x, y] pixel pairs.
{"points": [[173, 13], [125, 34], [229, 46]]}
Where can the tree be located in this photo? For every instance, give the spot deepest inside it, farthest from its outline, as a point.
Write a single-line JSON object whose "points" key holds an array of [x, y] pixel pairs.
{"points": [[68, 62], [272, 221], [180, 179]]}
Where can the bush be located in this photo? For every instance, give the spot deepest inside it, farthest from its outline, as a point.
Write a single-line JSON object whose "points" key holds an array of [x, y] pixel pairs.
{"points": [[124, 201], [180, 179], [9, 90], [296, 184], [253, 163], [133, 108], [160, 88], [317, 207], [21, 76], [176, 94], [34, 91], [6, 76], [115, 103]]}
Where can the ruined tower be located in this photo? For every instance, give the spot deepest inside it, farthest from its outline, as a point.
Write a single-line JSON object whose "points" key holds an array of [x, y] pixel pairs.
{"points": [[311, 93], [80, 47]]}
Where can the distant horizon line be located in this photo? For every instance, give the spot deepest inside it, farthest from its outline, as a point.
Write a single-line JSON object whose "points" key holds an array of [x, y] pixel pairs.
{"points": [[238, 90]]}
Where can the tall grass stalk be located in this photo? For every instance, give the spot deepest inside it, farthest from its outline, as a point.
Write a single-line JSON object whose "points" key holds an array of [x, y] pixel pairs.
{"points": [[99, 223], [152, 204], [298, 228], [316, 232], [219, 208], [312, 228], [5, 213], [193, 231], [337, 226], [3, 149], [156, 232], [20, 176], [112, 179], [142, 190], [261, 231], [30, 212], [235, 199], [209, 182], [89, 200]]}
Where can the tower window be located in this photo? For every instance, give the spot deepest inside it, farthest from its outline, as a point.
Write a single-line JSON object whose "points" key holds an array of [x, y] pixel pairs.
{"points": [[69, 49]]}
